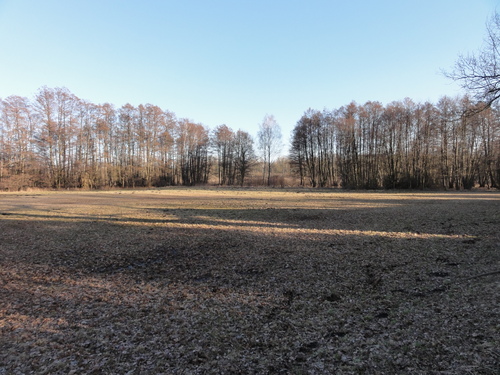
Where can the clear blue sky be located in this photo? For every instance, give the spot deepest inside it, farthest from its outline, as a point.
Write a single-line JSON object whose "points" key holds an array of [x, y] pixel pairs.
{"points": [[234, 61]]}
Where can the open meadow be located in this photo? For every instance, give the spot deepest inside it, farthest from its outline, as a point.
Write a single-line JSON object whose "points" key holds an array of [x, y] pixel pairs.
{"points": [[249, 281]]}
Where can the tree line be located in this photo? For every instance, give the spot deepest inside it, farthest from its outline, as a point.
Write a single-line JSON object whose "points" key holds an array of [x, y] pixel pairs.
{"points": [[451, 145], [57, 140]]}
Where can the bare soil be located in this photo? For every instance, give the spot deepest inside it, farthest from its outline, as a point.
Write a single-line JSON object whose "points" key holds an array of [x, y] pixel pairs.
{"points": [[240, 281]]}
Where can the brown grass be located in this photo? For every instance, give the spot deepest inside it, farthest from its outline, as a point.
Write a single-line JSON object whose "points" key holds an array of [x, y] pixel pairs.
{"points": [[227, 281]]}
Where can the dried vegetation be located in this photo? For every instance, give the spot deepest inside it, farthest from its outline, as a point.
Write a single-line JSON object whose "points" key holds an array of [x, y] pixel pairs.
{"points": [[202, 281]]}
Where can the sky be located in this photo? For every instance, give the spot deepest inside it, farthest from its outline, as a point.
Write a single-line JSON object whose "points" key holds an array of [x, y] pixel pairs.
{"points": [[234, 61]]}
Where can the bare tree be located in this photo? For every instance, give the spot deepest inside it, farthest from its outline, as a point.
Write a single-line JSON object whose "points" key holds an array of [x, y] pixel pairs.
{"points": [[56, 109], [192, 146], [270, 145], [223, 140], [17, 141], [480, 73], [244, 155], [306, 144]]}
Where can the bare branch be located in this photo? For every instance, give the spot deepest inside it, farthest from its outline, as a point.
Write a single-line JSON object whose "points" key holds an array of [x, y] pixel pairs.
{"points": [[479, 73]]}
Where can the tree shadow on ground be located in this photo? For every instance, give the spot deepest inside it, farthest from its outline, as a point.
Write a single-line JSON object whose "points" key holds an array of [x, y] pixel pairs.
{"points": [[287, 287]]}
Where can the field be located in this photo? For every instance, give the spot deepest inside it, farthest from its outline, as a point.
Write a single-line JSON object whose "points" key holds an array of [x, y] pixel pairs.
{"points": [[248, 281]]}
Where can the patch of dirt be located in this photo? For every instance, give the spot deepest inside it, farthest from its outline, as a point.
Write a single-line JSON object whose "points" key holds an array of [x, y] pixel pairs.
{"points": [[228, 281]]}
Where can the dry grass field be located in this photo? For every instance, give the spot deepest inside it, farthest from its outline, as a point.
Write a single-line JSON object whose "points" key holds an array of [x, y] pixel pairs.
{"points": [[240, 281]]}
